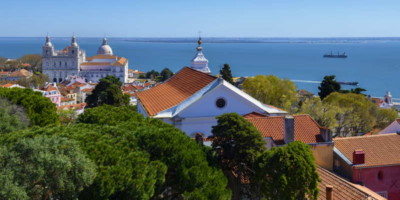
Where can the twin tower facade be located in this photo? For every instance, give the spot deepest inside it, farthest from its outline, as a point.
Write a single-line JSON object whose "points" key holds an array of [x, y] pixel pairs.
{"points": [[72, 61]]}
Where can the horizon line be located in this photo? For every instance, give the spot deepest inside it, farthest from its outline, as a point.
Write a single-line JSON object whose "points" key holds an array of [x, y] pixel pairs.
{"points": [[249, 37]]}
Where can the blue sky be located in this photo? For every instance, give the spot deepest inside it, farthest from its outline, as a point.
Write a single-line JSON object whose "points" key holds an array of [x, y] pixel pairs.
{"points": [[215, 18]]}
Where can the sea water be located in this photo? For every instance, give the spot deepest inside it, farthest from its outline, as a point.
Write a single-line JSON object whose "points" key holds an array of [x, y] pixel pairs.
{"points": [[373, 62]]}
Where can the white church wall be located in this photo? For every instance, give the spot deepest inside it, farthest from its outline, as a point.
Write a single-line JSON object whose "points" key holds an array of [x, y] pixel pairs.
{"points": [[206, 106], [203, 125]]}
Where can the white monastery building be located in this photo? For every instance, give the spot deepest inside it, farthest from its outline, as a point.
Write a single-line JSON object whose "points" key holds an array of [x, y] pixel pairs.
{"points": [[192, 98], [72, 61]]}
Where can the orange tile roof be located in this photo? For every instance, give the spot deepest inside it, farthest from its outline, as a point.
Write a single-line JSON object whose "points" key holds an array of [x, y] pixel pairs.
{"points": [[379, 150], [175, 90], [49, 87], [87, 90], [343, 189], [135, 71], [305, 128], [128, 87], [7, 85], [253, 115], [63, 99], [121, 61]]}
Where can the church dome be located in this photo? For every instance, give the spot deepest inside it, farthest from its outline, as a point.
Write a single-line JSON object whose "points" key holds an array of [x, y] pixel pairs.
{"points": [[48, 42], [104, 49]]}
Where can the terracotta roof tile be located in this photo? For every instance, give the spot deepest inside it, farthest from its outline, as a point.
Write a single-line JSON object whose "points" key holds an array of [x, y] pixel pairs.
{"points": [[305, 128], [8, 85], [343, 189], [379, 150], [121, 61], [176, 89], [87, 90], [49, 87], [253, 115]]}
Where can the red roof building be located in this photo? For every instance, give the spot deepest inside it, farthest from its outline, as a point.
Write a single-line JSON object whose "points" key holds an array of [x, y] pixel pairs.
{"points": [[372, 161]]}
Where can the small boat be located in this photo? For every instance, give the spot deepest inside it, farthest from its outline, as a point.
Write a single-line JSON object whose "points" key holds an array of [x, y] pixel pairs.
{"points": [[338, 55], [347, 83]]}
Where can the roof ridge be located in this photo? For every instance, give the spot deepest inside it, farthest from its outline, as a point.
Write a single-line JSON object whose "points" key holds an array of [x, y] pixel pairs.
{"points": [[365, 136]]}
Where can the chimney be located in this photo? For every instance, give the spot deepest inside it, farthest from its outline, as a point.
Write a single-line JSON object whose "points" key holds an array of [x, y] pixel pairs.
{"points": [[329, 192], [326, 134], [289, 129], [358, 157]]}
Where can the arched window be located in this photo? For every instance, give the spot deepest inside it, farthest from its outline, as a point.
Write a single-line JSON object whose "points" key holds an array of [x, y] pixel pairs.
{"points": [[60, 63], [73, 51]]}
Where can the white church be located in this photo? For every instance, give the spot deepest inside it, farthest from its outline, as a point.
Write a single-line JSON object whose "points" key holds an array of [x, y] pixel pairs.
{"points": [[72, 61], [192, 98]]}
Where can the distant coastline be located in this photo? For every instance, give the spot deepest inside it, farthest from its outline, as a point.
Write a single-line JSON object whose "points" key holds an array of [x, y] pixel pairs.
{"points": [[273, 40]]}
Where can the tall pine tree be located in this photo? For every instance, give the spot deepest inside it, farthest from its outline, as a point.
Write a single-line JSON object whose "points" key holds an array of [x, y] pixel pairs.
{"points": [[226, 73]]}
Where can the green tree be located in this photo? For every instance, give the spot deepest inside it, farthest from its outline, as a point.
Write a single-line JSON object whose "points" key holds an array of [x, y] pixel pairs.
{"points": [[68, 116], [48, 167], [35, 60], [355, 90], [328, 85], [226, 73], [323, 113], [37, 80], [357, 113], [152, 74], [241, 144], [40, 110], [384, 117], [166, 74], [138, 158], [288, 173], [12, 117], [2, 61], [272, 90], [108, 91], [109, 115]]}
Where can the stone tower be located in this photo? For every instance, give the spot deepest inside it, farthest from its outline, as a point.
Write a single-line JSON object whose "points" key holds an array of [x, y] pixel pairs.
{"points": [[62, 63]]}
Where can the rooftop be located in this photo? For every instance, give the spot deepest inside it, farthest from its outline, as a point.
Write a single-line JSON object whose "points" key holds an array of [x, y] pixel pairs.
{"points": [[175, 90], [380, 150], [343, 189], [306, 129]]}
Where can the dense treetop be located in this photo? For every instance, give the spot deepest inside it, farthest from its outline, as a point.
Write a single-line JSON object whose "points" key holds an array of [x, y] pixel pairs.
{"points": [[271, 90], [140, 158], [108, 91], [288, 172], [40, 110], [44, 167]]}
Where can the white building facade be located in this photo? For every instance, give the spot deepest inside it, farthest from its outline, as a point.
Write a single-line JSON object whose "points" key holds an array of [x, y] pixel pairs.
{"points": [[72, 61]]}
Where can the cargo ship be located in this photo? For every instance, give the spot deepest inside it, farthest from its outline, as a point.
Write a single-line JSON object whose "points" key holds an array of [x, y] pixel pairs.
{"points": [[338, 55]]}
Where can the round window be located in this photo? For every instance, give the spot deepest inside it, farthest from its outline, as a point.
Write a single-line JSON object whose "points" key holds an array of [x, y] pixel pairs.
{"points": [[220, 103]]}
